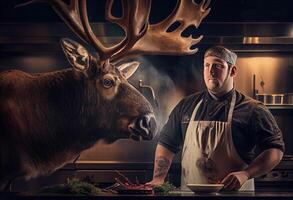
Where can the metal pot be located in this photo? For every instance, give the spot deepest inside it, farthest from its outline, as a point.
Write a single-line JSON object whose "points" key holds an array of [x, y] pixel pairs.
{"points": [[276, 99], [288, 99]]}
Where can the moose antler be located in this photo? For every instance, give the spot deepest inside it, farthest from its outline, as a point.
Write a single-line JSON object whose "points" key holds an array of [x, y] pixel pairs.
{"points": [[156, 39], [140, 36]]}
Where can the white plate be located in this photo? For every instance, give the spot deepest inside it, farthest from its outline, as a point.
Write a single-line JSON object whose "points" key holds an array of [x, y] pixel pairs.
{"points": [[205, 187]]}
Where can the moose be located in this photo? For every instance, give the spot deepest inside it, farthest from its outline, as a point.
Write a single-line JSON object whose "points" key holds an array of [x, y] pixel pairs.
{"points": [[48, 119]]}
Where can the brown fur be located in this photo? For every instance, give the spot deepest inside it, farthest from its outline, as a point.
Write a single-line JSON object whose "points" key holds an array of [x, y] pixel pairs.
{"points": [[47, 119]]}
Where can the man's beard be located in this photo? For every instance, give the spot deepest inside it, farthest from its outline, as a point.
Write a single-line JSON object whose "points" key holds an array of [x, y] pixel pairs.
{"points": [[215, 86]]}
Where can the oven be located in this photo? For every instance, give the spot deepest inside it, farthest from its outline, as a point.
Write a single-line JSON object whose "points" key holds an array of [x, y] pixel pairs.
{"points": [[281, 177]]}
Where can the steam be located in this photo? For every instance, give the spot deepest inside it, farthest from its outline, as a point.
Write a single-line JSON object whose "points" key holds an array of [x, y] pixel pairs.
{"points": [[166, 93]]}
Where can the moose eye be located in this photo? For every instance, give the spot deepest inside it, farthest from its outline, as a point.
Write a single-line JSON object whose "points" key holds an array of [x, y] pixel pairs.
{"points": [[107, 83]]}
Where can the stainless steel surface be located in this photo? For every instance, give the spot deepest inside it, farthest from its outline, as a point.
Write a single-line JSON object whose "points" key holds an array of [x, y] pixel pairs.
{"points": [[273, 72]]}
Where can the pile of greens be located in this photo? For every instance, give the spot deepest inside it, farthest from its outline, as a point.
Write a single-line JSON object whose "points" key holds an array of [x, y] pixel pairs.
{"points": [[165, 188], [72, 187]]}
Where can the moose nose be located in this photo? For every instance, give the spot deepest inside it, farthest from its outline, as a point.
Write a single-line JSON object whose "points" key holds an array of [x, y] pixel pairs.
{"points": [[143, 128], [148, 122], [147, 125]]}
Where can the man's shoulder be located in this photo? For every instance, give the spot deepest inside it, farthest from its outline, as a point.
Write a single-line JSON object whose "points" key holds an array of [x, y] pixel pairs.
{"points": [[193, 98], [188, 102], [248, 102]]}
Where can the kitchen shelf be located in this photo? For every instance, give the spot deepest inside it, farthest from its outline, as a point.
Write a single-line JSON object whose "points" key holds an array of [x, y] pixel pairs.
{"points": [[281, 110], [280, 107]]}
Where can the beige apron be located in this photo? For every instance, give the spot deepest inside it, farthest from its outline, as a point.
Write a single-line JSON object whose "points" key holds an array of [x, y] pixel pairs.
{"points": [[208, 153]]}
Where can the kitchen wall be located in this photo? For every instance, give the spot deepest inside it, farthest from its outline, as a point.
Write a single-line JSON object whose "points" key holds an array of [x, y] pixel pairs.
{"points": [[261, 32]]}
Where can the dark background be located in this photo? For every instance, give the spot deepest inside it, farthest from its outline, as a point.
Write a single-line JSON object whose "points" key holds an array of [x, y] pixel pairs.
{"points": [[222, 11]]}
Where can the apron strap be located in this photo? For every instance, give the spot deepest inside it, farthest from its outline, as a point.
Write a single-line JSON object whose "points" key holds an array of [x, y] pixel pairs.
{"points": [[189, 124], [195, 110], [231, 109]]}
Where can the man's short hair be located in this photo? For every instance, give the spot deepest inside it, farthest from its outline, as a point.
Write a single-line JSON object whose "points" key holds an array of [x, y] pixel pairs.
{"points": [[223, 53]]}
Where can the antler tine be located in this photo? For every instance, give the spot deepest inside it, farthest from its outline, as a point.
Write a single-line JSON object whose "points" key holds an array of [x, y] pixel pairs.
{"points": [[71, 16], [157, 40], [101, 49], [135, 15], [187, 12], [205, 4], [110, 17], [132, 28], [134, 22]]}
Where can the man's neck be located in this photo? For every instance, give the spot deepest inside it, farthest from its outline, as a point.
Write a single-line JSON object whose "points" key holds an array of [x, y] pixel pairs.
{"points": [[219, 95]]}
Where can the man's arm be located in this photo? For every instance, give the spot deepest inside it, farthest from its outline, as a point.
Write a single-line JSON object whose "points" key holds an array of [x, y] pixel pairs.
{"points": [[163, 160], [261, 165], [264, 163]]}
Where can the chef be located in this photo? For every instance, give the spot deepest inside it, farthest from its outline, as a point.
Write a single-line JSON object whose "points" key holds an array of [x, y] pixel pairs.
{"points": [[225, 136]]}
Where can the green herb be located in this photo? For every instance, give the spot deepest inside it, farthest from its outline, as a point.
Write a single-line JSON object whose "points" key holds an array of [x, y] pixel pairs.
{"points": [[165, 188], [72, 187]]}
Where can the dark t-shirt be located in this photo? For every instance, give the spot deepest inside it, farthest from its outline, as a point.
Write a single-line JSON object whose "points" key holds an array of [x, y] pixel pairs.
{"points": [[254, 129]]}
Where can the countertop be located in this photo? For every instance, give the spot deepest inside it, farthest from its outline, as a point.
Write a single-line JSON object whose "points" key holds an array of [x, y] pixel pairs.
{"points": [[174, 195]]}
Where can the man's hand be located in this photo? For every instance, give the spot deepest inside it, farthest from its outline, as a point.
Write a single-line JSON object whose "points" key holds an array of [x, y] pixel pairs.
{"points": [[155, 182], [235, 180]]}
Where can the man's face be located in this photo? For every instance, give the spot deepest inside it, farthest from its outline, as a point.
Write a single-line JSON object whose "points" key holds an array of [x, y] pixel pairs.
{"points": [[217, 75]]}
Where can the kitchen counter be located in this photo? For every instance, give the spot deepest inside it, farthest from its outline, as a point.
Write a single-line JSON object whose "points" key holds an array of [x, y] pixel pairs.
{"points": [[174, 195], [104, 173]]}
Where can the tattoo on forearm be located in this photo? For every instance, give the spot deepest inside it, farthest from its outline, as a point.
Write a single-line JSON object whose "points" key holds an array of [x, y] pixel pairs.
{"points": [[161, 167]]}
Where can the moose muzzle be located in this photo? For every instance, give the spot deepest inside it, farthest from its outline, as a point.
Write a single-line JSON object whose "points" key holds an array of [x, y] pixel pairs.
{"points": [[143, 128]]}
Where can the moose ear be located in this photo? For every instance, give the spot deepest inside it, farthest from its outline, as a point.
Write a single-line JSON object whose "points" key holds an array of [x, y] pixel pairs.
{"points": [[76, 54], [127, 69]]}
